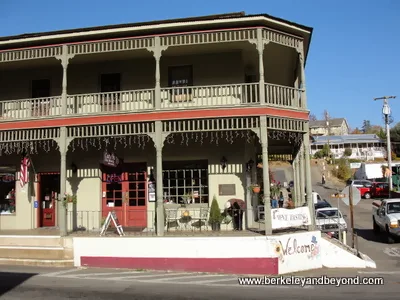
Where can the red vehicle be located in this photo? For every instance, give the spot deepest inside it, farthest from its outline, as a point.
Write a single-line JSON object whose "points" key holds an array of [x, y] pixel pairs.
{"points": [[375, 190], [380, 190]]}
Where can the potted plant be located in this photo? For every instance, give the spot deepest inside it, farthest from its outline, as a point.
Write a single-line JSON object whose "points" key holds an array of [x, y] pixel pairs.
{"points": [[68, 198], [255, 188], [187, 198], [215, 218]]}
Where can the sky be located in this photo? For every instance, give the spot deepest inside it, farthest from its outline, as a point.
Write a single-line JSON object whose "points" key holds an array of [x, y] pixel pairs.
{"points": [[353, 58]]}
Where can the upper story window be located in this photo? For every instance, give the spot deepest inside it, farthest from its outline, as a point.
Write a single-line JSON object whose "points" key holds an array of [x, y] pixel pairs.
{"points": [[180, 78], [110, 84]]}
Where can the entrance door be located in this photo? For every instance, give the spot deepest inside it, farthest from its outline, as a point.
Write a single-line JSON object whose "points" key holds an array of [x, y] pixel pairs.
{"points": [[125, 192], [49, 188]]}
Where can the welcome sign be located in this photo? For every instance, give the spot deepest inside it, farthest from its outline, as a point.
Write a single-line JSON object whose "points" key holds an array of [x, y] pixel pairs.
{"points": [[297, 251], [286, 218]]}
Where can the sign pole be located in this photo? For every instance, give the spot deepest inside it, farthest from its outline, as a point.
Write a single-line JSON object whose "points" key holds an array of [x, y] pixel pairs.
{"points": [[351, 215]]}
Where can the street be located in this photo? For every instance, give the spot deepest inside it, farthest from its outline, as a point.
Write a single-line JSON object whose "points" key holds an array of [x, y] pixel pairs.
{"points": [[386, 256], [45, 283]]}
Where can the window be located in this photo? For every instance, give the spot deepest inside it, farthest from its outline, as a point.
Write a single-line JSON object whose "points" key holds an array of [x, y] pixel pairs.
{"points": [[40, 89], [180, 78], [110, 85], [185, 182], [7, 190]]}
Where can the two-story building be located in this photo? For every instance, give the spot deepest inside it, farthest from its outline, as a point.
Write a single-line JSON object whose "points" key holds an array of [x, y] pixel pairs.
{"points": [[135, 118], [338, 126]]}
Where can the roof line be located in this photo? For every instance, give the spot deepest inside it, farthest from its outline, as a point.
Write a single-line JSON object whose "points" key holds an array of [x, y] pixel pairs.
{"points": [[233, 15]]}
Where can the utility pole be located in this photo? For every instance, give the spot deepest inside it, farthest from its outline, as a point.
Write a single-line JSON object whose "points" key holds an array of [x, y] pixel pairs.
{"points": [[386, 113], [326, 117]]}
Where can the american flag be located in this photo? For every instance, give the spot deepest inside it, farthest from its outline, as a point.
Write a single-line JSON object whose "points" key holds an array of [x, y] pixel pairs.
{"points": [[23, 177]]}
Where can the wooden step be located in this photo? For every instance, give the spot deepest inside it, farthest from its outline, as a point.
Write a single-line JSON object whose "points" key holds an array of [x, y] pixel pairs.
{"points": [[32, 252], [56, 263], [31, 240]]}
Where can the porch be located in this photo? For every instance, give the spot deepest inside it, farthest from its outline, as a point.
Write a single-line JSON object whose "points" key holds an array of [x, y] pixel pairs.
{"points": [[197, 159], [186, 77]]}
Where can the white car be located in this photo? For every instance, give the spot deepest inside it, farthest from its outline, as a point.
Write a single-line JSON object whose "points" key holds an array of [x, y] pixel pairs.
{"points": [[330, 220]]}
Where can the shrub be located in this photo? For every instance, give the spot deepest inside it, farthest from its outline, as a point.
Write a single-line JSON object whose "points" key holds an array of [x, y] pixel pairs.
{"points": [[215, 212], [347, 152], [343, 171]]}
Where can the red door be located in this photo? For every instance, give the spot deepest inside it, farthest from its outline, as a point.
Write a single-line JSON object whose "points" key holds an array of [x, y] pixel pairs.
{"points": [[136, 198], [125, 192], [48, 194]]}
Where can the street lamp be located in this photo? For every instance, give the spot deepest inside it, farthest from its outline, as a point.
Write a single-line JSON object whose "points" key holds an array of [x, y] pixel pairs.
{"points": [[386, 113]]}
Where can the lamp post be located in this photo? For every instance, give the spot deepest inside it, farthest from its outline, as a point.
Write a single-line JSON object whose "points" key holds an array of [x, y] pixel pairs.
{"points": [[386, 113]]}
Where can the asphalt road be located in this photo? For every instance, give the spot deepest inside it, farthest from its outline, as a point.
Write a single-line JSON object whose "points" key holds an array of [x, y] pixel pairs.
{"points": [[41, 283], [386, 256]]}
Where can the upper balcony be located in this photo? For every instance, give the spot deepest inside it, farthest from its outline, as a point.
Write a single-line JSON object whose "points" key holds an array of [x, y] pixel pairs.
{"points": [[190, 77]]}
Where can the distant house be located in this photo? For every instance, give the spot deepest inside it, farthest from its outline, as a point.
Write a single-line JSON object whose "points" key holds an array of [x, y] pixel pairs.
{"points": [[363, 146], [336, 127]]}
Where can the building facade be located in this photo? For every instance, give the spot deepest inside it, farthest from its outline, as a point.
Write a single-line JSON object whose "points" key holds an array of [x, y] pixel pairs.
{"points": [[363, 146], [139, 117], [336, 126]]}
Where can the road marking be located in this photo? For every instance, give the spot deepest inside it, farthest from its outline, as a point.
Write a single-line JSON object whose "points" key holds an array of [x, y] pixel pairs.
{"points": [[113, 273], [145, 276], [57, 274], [191, 276], [393, 252], [378, 272]]}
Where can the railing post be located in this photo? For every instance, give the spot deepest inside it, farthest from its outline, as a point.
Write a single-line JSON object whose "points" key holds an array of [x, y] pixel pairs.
{"points": [[266, 183], [310, 202], [63, 142], [303, 96], [64, 58], [260, 49], [158, 138], [157, 50]]}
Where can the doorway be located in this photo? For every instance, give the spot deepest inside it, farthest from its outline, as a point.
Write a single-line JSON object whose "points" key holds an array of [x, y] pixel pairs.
{"points": [[49, 189], [125, 192]]}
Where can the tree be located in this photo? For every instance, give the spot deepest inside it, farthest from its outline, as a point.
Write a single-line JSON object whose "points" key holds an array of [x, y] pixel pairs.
{"points": [[356, 131], [366, 126], [313, 117], [395, 138]]}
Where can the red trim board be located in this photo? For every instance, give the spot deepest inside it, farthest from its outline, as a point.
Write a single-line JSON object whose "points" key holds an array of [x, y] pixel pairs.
{"points": [[236, 265], [155, 116]]}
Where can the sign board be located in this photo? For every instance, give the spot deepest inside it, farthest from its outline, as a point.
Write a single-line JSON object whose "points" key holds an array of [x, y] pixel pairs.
{"points": [[110, 159], [227, 190], [298, 251], [112, 216], [355, 165], [286, 218], [356, 195]]}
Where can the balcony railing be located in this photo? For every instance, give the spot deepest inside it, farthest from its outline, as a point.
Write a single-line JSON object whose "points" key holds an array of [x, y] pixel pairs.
{"points": [[229, 95]]}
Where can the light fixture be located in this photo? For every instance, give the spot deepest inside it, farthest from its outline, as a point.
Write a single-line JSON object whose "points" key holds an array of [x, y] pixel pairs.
{"points": [[223, 162], [249, 165]]}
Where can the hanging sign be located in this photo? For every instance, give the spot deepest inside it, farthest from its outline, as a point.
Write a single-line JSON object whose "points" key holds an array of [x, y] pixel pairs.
{"points": [[113, 178], [112, 216], [110, 159]]}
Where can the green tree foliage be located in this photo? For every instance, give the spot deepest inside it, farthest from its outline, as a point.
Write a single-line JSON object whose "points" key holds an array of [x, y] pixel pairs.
{"points": [[343, 171], [324, 152], [347, 152]]}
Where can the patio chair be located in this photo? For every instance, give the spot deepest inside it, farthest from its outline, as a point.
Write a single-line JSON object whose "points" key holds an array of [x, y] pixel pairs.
{"points": [[171, 216], [203, 216]]}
